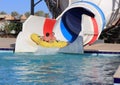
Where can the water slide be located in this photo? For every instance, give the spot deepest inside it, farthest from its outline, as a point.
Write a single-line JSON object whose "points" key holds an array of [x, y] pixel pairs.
{"points": [[81, 22]]}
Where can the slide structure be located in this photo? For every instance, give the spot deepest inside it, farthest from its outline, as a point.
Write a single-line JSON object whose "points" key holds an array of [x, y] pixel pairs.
{"points": [[81, 22]]}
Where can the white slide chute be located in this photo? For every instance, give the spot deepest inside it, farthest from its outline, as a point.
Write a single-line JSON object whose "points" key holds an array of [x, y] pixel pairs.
{"points": [[24, 43], [82, 18]]}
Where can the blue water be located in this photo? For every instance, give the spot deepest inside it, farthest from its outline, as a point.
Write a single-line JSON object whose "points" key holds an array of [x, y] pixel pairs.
{"points": [[57, 69]]}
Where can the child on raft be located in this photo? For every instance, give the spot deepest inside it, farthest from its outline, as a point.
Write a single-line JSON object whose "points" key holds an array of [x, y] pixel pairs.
{"points": [[49, 37]]}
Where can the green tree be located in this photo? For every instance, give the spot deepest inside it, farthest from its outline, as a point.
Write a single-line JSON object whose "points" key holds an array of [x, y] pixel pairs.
{"points": [[27, 14], [2, 12], [47, 15], [16, 26], [14, 14], [40, 13], [6, 28]]}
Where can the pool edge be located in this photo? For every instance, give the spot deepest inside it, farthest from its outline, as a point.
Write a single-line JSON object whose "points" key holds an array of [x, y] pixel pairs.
{"points": [[85, 51]]}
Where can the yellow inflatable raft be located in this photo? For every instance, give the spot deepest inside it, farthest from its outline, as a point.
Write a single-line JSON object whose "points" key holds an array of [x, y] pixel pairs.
{"points": [[37, 39]]}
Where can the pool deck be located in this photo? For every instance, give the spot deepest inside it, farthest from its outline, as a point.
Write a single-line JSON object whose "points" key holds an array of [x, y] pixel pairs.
{"points": [[7, 43], [100, 47], [97, 47]]}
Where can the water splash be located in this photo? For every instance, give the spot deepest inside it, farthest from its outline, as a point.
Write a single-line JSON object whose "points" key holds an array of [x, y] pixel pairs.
{"points": [[46, 51]]}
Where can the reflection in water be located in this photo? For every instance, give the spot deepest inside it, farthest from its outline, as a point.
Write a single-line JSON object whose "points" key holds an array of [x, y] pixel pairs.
{"points": [[58, 69]]}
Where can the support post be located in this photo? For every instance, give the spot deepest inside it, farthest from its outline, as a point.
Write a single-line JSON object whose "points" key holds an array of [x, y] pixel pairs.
{"points": [[33, 5]]}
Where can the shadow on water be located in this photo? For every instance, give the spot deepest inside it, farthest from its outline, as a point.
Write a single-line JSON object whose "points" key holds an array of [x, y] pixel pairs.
{"points": [[57, 69]]}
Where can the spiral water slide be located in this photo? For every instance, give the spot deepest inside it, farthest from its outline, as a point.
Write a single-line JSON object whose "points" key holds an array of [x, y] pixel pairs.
{"points": [[80, 23]]}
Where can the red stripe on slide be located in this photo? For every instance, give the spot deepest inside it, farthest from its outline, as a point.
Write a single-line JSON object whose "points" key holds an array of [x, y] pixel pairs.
{"points": [[96, 32], [48, 25]]}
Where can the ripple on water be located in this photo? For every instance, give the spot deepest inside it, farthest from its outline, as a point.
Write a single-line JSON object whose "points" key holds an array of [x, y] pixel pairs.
{"points": [[57, 69]]}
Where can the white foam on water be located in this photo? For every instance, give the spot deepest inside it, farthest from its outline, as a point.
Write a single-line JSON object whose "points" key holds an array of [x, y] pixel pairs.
{"points": [[46, 51]]}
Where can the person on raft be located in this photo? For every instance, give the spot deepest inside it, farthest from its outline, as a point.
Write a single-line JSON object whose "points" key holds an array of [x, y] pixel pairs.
{"points": [[49, 37]]}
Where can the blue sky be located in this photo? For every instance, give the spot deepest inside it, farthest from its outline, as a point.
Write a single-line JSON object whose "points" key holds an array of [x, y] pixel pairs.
{"points": [[21, 6]]}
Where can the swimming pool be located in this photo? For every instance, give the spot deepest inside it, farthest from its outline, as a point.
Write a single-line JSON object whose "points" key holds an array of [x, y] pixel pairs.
{"points": [[57, 69]]}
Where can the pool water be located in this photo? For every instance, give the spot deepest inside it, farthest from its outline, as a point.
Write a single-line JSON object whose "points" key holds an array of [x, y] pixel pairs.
{"points": [[57, 69]]}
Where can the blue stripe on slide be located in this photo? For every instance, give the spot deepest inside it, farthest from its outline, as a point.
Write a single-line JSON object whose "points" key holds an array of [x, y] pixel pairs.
{"points": [[99, 10], [66, 34]]}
